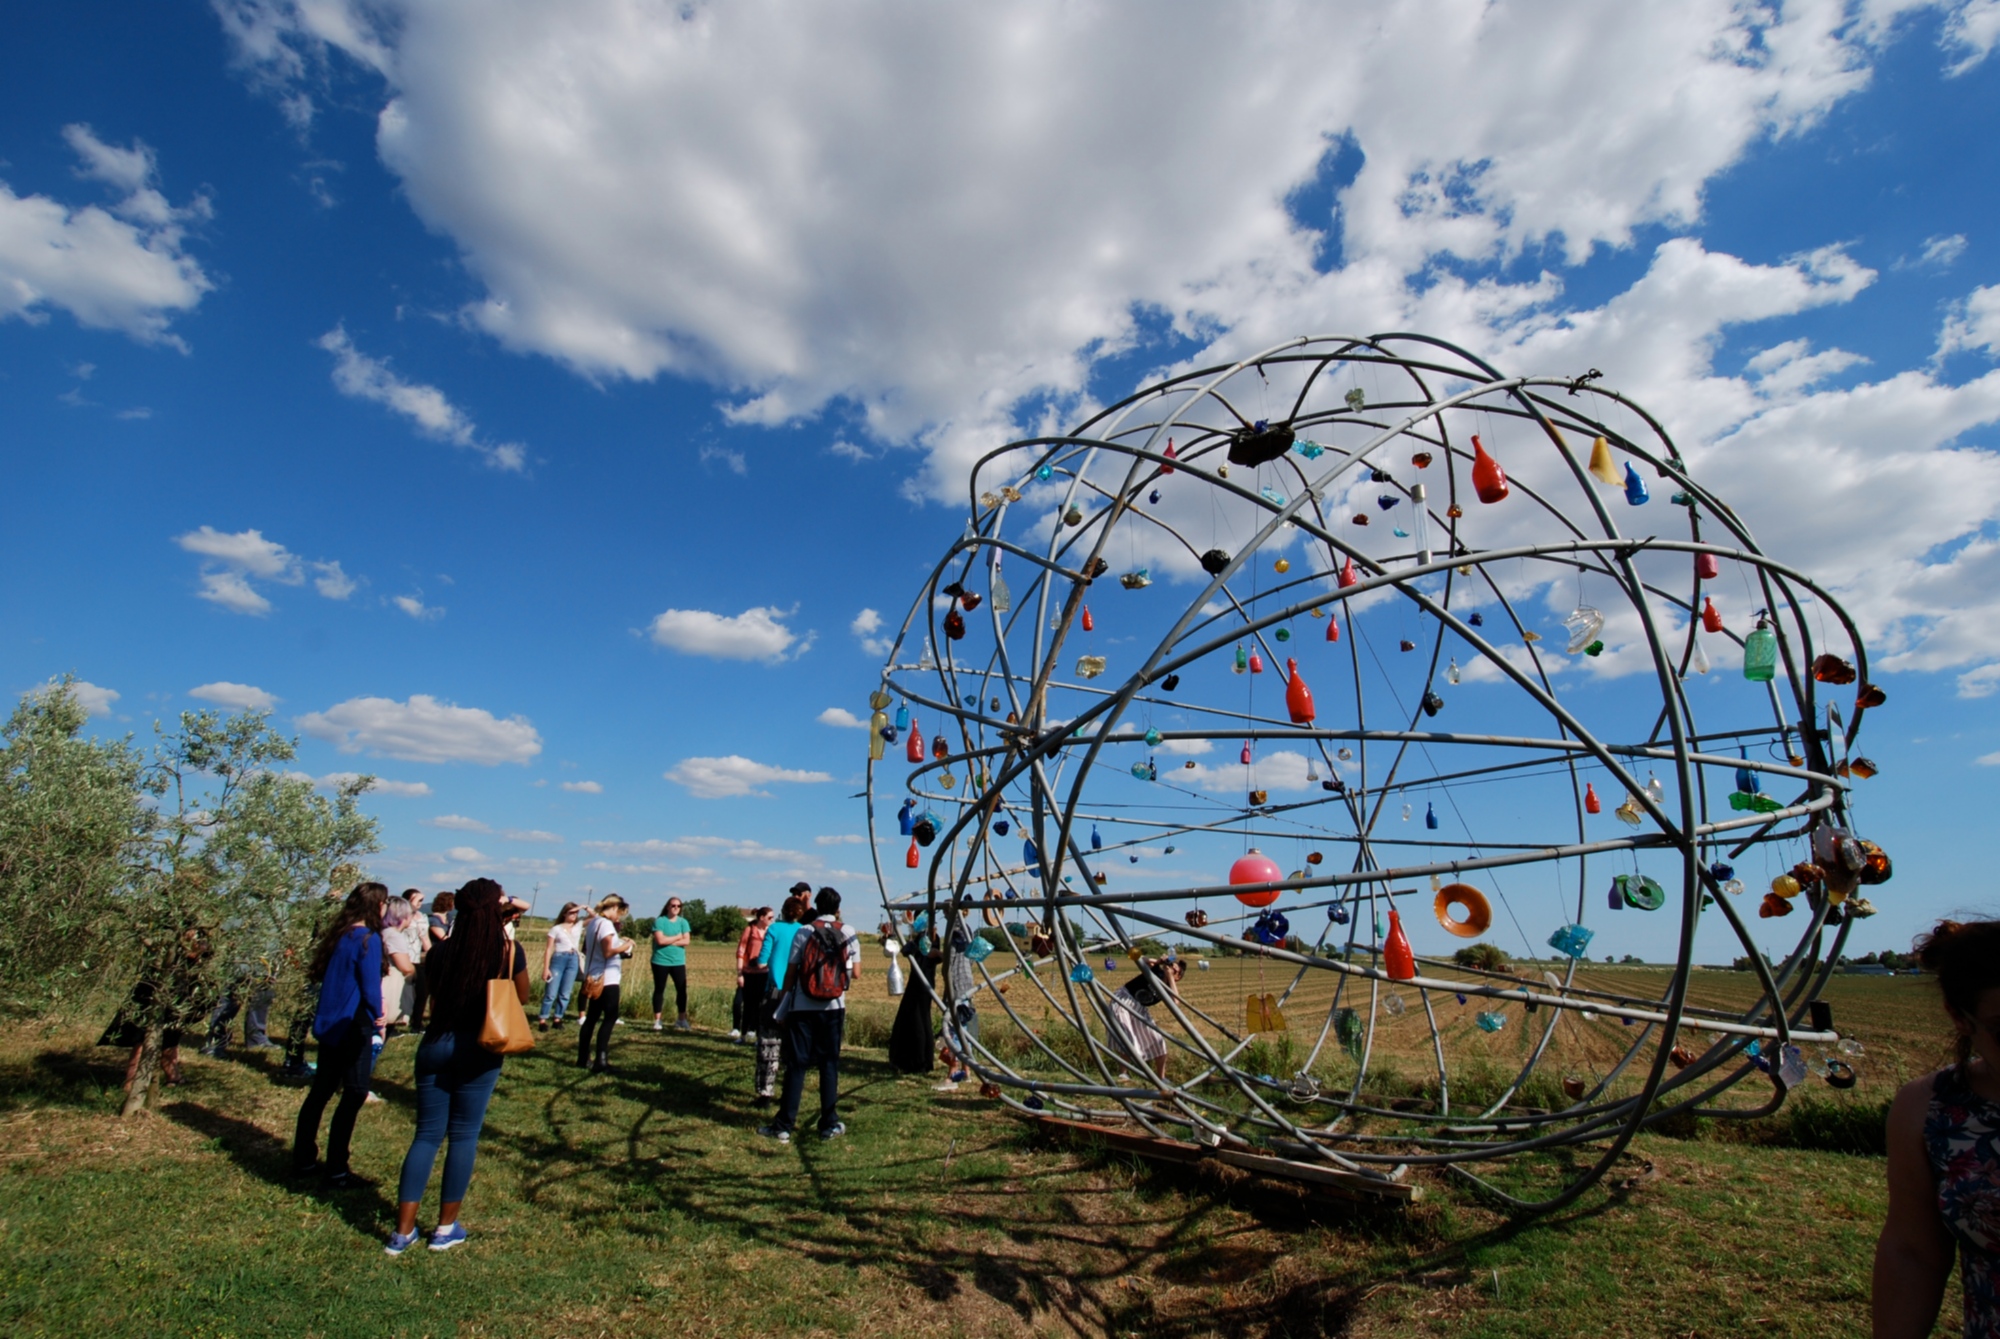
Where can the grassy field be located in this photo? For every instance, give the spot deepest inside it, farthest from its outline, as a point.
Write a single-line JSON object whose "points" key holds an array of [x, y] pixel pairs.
{"points": [[642, 1203]]}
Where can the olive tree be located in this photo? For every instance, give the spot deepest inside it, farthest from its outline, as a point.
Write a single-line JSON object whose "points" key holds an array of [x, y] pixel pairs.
{"points": [[72, 830]]}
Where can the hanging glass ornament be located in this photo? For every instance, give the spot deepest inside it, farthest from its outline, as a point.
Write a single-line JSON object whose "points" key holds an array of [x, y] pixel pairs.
{"points": [[1136, 580], [1603, 466], [1081, 974], [1096, 839], [1256, 662], [1422, 460], [1476, 619], [1145, 771], [1000, 827], [1246, 753], [1283, 634], [903, 716], [906, 818], [1073, 517], [1655, 792], [1489, 481], [1572, 940], [1242, 658], [1407, 811], [913, 859], [915, 749], [1635, 487], [954, 625], [1698, 658], [1630, 812], [1089, 667], [1591, 804], [1154, 497], [1432, 703], [1451, 673], [1030, 857], [1490, 1020], [1746, 777], [1707, 567], [1282, 566], [1760, 653], [1044, 473], [1332, 628], [1348, 576], [1398, 959], [1711, 617], [1583, 623], [940, 749], [1344, 753], [1431, 817], [1298, 697], [1169, 453], [1153, 736], [1255, 867], [876, 725], [1387, 500]]}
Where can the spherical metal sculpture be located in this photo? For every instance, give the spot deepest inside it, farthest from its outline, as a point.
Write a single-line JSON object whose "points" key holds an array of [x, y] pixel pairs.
{"points": [[1310, 605]]}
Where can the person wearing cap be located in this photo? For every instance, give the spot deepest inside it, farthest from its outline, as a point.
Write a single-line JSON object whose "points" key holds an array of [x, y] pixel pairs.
{"points": [[814, 1028], [603, 969]]}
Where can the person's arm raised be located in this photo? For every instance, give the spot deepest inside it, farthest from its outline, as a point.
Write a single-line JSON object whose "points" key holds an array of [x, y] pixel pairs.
{"points": [[1913, 1256]]}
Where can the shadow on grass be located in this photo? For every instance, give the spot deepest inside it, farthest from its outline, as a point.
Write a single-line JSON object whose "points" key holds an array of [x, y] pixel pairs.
{"points": [[269, 1158]]}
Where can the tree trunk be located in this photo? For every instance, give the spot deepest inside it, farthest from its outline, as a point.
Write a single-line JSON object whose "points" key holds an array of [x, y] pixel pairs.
{"points": [[148, 1071]]}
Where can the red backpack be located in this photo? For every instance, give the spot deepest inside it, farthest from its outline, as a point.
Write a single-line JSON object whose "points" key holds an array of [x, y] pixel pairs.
{"points": [[823, 963]]}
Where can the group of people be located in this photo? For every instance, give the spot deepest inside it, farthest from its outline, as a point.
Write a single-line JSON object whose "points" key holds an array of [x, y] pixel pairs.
{"points": [[382, 963]]}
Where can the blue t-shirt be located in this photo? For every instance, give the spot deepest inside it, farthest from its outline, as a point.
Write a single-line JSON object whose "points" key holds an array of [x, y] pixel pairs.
{"points": [[353, 983], [670, 955], [776, 954]]}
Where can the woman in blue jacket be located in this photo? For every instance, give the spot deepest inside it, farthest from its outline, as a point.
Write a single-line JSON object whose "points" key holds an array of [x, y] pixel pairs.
{"points": [[348, 967]]}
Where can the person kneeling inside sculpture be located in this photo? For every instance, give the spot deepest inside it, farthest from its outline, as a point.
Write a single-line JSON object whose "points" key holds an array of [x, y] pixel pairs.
{"points": [[1131, 1012]]}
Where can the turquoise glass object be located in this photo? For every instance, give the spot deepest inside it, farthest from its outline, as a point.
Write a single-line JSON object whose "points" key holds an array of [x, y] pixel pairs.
{"points": [[1746, 778], [1635, 487], [979, 950], [1081, 974], [1144, 771], [1044, 473], [902, 716], [1490, 1020], [1760, 653], [1572, 940], [1310, 450], [1153, 736], [1272, 496]]}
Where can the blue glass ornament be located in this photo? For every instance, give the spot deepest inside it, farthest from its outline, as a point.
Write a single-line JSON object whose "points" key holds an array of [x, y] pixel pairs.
{"points": [[1153, 737], [1081, 974], [1030, 857], [1635, 487], [1490, 1021], [1096, 841], [1000, 827], [1572, 940], [905, 818], [1044, 473], [1339, 914], [979, 950], [902, 715], [1431, 816], [1111, 964], [1746, 777], [1476, 619], [1153, 496]]}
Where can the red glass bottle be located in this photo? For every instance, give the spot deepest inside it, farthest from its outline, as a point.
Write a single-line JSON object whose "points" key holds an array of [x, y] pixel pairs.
{"points": [[1298, 697], [1591, 804], [1348, 576], [1397, 957], [1488, 479], [911, 860], [915, 750], [1089, 624], [1711, 617], [1707, 566], [1332, 628]]}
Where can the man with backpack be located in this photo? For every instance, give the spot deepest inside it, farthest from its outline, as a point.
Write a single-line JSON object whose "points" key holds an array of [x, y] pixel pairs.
{"points": [[825, 959]]}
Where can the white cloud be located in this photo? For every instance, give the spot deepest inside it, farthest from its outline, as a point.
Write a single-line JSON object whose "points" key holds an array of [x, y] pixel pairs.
{"points": [[843, 718], [754, 634], [865, 626], [382, 786], [1981, 682], [1988, 760], [841, 839], [1974, 323], [530, 835], [721, 455], [848, 451], [583, 787], [331, 582], [235, 558], [417, 609], [94, 700], [1191, 748], [1283, 770], [464, 855], [123, 269], [364, 378], [246, 551], [722, 778], [455, 823], [1939, 252], [1972, 31], [237, 696], [233, 592], [704, 848], [423, 730]]}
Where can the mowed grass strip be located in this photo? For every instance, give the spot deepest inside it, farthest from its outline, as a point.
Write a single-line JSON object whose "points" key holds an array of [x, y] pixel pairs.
{"points": [[644, 1203]]}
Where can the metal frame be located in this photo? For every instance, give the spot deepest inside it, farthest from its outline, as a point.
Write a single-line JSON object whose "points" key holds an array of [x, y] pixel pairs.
{"points": [[1044, 772]]}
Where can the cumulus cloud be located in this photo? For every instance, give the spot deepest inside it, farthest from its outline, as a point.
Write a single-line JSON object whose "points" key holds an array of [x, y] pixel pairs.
{"points": [[723, 778], [125, 268], [236, 696], [843, 718], [732, 461], [423, 729], [531, 835], [754, 634], [417, 609], [455, 823], [841, 839], [583, 787], [702, 848], [426, 407], [867, 626], [464, 855], [94, 700], [857, 201], [382, 786], [235, 560]]}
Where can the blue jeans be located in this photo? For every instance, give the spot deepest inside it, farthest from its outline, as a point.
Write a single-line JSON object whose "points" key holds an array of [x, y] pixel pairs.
{"points": [[455, 1078], [562, 980]]}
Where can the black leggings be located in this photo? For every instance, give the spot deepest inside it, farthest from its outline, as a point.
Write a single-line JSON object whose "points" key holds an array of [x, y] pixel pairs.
{"points": [[679, 976], [344, 1064], [598, 1014]]}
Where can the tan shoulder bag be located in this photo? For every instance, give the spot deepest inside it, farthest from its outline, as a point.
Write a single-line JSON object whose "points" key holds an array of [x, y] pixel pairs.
{"points": [[506, 1029]]}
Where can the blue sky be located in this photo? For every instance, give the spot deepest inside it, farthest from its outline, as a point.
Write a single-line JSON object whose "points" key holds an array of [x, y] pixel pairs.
{"points": [[581, 394]]}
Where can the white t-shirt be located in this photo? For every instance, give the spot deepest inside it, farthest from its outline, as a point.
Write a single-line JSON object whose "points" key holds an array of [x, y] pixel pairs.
{"points": [[562, 938], [398, 940], [602, 960]]}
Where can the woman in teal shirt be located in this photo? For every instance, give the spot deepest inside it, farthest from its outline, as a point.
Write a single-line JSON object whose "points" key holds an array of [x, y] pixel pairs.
{"points": [[774, 957], [670, 956]]}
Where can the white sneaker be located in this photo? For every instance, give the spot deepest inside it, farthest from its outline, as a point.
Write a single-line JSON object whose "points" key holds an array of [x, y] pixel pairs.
{"points": [[736, 1034], [657, 1026]]}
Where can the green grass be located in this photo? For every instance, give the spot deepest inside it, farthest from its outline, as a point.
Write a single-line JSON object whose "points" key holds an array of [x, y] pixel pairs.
{"points": [[644, 1204]]}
